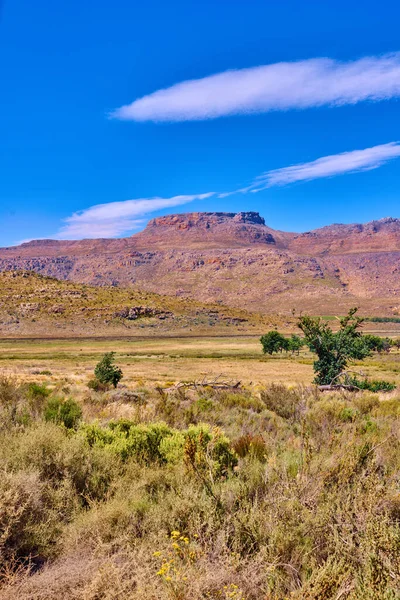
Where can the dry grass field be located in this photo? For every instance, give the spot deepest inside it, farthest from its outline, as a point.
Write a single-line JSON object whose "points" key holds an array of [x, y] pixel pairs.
{"points": [[159, 361]]}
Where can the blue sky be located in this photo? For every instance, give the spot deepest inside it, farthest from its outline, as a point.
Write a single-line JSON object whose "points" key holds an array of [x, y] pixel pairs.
{"points": [[67, 145]]}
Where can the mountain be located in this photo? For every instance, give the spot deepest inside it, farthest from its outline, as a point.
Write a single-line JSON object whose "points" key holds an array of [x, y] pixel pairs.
{"points": [[237, 260]]}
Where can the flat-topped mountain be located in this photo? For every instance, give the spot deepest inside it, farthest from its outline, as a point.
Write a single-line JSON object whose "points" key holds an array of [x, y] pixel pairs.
{"points": [[210, 230], [236, 259]]}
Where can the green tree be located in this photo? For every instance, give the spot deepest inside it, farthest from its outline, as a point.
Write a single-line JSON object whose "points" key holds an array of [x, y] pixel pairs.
{"points": [[334, 349], [106, 372], [273, 341], [378, 344], [295, 343]]}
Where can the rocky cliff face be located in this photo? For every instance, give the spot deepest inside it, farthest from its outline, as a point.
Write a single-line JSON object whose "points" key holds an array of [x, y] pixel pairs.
{"points": [[235, 258]]}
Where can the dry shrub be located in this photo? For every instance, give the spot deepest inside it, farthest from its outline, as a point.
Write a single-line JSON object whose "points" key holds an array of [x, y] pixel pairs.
{"points": [[287, 403], [252, 445], [241, 399], [31, 516], [366, 403], [11, 402], [58, 456]]}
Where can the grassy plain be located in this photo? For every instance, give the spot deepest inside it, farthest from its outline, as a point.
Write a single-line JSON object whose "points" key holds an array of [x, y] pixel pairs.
{"points": [[157, 361]]}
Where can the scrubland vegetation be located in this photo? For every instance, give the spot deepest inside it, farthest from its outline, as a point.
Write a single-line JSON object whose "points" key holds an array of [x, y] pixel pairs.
{"points": [[264, 492]]}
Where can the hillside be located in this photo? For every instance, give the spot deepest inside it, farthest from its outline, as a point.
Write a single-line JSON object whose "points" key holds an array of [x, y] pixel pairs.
{"points": [[235, 259], [34, 305]]}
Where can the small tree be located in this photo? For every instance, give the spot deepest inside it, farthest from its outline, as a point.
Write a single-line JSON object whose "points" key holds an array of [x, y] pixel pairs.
{"points": [[334, 349], [106, 372], [295, 344], [273, 341]]}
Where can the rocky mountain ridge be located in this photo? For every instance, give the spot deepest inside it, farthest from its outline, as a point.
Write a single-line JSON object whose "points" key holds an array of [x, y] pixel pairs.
{"points": [[236, 259]]}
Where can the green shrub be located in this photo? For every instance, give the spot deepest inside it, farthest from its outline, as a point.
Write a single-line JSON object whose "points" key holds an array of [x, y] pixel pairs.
{"points": [[63, 411], [348, 414], [335, 350], [158, 443], [374, 385], [37, 391], [126, 439], [36, 396], [202, 448]]}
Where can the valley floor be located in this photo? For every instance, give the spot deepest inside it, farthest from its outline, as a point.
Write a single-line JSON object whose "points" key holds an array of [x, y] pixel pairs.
{"points": [[158, 361]]}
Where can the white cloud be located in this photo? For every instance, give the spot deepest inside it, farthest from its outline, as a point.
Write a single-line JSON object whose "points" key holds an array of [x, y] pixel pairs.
{"points": [[328, 166], [281, 86], [116, 218]]}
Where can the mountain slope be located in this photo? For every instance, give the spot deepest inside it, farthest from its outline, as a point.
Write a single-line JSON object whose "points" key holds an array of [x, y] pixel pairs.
{"points": [[34, 305], [237, 260]]}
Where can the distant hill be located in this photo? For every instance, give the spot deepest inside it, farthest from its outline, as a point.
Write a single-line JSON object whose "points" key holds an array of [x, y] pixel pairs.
{"points": [[237, 260], [39, 306]]}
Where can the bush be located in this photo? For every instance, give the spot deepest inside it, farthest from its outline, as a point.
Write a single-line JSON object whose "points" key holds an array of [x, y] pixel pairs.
{"points": [[65, 412], [295, 344], [59, 457], [284, 402], [158, 443], [126, 439], [377, 343], [10, 401], [373, 385], [200, 448], [30, 515], [335, 350], [36, 395], [251, 445], [97, 386], [310, 512], [365, 403]]}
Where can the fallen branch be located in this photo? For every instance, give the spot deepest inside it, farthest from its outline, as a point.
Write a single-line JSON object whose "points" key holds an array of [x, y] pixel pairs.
{"points": [[338, 386], [215, 384]]}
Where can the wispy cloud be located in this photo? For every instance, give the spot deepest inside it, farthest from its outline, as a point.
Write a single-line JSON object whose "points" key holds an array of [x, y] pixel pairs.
{"points": [[116, 218], [327, 166], [280, 86]]}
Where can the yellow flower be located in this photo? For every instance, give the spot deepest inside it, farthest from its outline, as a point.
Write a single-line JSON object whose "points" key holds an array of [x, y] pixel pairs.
{"points": [[176, 546], [175, 534]]}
